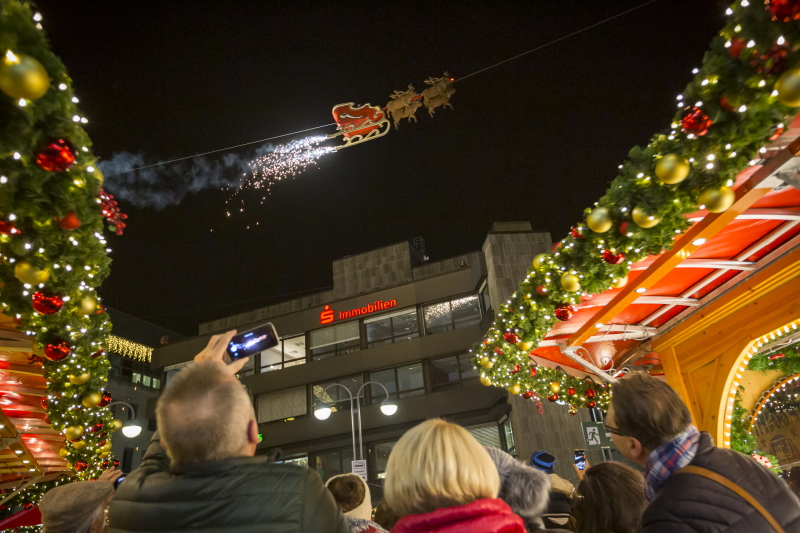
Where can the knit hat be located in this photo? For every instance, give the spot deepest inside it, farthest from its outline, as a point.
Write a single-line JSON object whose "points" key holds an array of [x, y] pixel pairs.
{"points": [[543, 461], [362, 510], [68, 506], [503, 462]]}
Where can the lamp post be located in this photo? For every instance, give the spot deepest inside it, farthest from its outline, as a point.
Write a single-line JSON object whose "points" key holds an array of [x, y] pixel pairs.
{"points": [[132, 427], [388, 407]]}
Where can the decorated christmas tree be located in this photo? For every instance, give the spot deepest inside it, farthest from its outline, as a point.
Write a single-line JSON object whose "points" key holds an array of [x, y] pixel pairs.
{"points": [[53, 254]]}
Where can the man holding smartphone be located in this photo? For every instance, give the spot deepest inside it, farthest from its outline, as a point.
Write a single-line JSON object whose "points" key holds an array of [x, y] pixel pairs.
{"points": [[200, 474]]}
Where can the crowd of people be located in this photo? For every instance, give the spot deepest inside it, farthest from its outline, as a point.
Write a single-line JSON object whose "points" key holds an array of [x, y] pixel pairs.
{"points": [[200, 473]]}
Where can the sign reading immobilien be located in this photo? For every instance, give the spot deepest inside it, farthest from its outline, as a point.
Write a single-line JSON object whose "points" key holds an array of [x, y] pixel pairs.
{"points": [[328, 315]]}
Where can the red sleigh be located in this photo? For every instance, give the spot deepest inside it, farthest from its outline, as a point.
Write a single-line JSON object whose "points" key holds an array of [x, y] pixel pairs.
{"points": [[359, 124]]}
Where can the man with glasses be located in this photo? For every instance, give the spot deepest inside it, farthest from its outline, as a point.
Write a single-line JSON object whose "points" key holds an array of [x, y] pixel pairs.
{"points": [[652, 427]]}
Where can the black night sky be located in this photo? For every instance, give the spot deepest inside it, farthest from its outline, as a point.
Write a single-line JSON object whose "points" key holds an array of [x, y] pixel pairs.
{"points": [[537, 138]]}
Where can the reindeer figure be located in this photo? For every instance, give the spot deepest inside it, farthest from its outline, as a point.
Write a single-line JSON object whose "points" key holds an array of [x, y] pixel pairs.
{"points": [[439, 92], [403, 105]]}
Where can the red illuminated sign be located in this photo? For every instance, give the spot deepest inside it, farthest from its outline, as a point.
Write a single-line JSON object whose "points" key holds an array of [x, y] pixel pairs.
{"points": [[328, 315]]}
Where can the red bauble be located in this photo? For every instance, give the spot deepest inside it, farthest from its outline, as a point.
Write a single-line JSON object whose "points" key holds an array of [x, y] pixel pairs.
{"points": [[736, 47], [498, 351], [777, 356], [533, 371], [47, 304], [577, 233], [564, 312], [7, 229], [591, 404], [772, 62], [553, 397], [590, 393], [571, 391], [57, 350], [485, 341], [777, 131], [527, 395], [106, 399], [115, 463], [99, 353], [555, 246], [80, 466], [97, 427], [70, 222], [623, 227], [726, 104], [56, 156], [27, 505], [102, 435], [104, 465], [101, 443], [695, 122], [110, 209], [784, 10], [541, 289], [44, 402], [516, 369], [613, 258], [511, 337]]}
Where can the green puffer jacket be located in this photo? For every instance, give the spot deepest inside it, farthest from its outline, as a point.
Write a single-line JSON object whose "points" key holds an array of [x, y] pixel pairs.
{"points": [[241, 494]]}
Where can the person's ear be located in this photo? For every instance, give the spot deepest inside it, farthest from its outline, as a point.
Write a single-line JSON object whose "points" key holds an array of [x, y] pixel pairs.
{"points": [[252, 432], [638, 453]]}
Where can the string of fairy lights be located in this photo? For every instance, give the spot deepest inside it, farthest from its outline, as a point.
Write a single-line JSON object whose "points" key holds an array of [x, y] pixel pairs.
{"points": [[130, 349]]}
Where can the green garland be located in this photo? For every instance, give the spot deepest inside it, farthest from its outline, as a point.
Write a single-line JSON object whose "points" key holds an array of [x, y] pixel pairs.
{"points": [[33, 201], [738, 97]]}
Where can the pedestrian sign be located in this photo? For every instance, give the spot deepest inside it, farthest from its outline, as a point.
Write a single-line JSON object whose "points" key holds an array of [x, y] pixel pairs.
{"points": [[359, 468], [596, 436]]}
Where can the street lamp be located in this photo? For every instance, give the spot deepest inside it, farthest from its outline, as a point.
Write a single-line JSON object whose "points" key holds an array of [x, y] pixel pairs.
{"points": [[388, 407], [132, 427]]}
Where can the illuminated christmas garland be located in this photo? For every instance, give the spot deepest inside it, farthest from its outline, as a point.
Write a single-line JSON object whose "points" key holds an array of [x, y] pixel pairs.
{"points": [[746, 90], [129, 349]]}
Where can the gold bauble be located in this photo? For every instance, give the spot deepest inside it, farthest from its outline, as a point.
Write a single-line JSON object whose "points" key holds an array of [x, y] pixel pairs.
{"points": [[27, 273], [788, 87], [79, 445], [486, 380], [643, 219], [116, 424], [98, 175], [92, 400], [514, 389], [486, 362], [599, 220], [79, 379], [106, 447], [105, 454], [717, 200], [22, 76], [73, 432], [63, 452], [555, 387], [619, 282], [570, 282], [672, 168], [539, 260], [87, 305], [524, 346]]}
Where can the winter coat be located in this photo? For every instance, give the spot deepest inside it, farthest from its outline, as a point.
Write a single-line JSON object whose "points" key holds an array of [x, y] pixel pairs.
{"points": [[242, 494], [689, 503], [490, 515]]}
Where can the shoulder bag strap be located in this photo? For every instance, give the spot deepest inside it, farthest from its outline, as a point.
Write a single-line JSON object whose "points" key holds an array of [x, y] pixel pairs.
{"points": [[735, 488]]}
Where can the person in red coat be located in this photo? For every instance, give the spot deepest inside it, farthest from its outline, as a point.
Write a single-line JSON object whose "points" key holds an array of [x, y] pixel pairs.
{"points": [[439, 479]]}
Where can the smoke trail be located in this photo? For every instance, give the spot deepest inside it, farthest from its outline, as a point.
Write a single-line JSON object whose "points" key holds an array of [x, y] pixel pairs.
{"points": [[161, 186]]}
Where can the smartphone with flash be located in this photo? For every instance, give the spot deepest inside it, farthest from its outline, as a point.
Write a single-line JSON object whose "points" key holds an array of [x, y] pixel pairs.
{"points": [[253, 341], [580, 459]]}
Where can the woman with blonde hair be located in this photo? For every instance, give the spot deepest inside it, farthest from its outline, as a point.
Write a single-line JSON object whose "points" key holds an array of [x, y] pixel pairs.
{"points": [[440, 479]]}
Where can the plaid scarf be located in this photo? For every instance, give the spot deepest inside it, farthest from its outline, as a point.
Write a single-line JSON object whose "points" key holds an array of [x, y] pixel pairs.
{"points": [[669, 458]]}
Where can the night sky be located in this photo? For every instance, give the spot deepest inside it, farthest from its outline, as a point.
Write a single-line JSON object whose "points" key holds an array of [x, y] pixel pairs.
{"points": [[537, 138]]}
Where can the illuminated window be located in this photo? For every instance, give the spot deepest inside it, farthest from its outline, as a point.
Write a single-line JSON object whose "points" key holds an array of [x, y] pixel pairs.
{"points": [[335, 340], [146, 381], [290, 351], [452, 314], [392, 327], [137, 377], [336, 397]]}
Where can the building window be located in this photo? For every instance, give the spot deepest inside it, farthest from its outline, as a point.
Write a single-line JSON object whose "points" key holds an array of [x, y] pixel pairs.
{"points": [[484, 294], [401, 382], [290, 351], [137, 372], [336, 397], [151, 424], [331, 463], [382, 452], [453, 314], [299, 460], [507, 435], [335, 340], [451, 372], [282, 404], [487, 434], [392, 327], [127, 460]]}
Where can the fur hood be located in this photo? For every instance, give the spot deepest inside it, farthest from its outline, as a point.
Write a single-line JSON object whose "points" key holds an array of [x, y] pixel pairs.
{"points": [[363, 511], [526, 491]]}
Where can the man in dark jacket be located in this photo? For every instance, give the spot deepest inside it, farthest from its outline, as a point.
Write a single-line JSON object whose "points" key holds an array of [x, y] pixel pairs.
{"points": [[651, 426], [200, 474]]}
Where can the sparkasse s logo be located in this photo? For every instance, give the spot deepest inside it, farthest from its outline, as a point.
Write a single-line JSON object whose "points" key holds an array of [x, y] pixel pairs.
{"points": [[326, 316]]}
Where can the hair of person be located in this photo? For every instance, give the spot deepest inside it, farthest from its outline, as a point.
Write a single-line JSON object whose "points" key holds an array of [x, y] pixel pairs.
{"points": [[203, 415], [438, 464], [526, 491], [348, 491], [648, 410], [610, 498], [385, 516], [86, 525]]}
